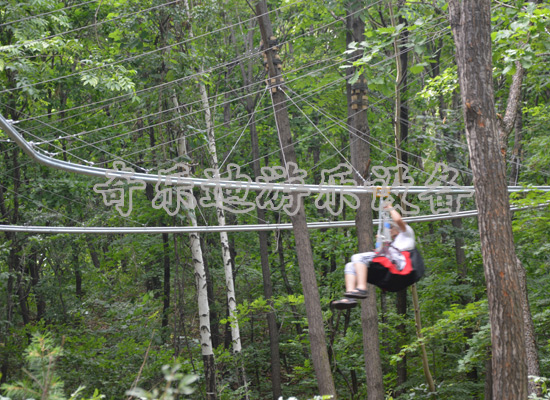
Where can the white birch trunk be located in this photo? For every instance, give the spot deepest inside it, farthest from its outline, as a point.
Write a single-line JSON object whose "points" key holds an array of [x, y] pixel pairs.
{"points": [[231, 302], [207, 350], [218, 194], [204, 311], [200, 281]]}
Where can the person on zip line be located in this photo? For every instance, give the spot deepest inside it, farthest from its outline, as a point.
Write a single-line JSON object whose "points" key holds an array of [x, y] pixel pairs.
{"points": [[394, 265]]}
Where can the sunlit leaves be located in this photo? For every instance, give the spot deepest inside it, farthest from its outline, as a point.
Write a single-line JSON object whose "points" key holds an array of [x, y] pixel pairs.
{"points": [[517, 36]]}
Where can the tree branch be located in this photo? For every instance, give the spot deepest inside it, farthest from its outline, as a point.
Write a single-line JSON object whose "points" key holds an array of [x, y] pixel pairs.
{"points": [[507, 123], [336, 17]]}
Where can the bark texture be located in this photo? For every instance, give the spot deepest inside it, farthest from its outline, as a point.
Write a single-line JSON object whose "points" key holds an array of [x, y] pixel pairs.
{"points": [[266, 272], [533, 367], [224, 240], [517, 150], [204, 311], [360, 155], [514, 97], [319, 353], [471, 26], [166, 281]]}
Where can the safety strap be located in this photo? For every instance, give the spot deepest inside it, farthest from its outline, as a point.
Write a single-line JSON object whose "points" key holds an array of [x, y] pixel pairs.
{"points": [[383, 238]]}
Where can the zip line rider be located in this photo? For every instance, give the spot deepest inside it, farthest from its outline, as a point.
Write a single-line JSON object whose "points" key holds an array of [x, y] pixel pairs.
{"points": [[389, 256]]}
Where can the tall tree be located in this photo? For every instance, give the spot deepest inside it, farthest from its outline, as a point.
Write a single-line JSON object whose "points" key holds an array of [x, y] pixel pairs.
{"points": [[360, 156], [224, 240], [204, 311], [471, 25], [250, 103], [317, 338], [401, 131]]}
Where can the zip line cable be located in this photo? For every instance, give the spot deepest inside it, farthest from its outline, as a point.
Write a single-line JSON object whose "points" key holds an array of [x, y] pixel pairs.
{"points": [[208, 183], [294, 103], [255, 186], [40, 204], [154, 228], [238, 228], [252, 115]]}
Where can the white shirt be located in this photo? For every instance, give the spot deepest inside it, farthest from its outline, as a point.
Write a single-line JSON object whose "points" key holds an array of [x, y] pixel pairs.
{"points": [[404, 241]]}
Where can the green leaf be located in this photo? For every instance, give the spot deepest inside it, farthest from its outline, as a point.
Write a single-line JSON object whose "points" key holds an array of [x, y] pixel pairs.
{"points": [[418, 68], [116, 35], [508, 70], [389, 29]]}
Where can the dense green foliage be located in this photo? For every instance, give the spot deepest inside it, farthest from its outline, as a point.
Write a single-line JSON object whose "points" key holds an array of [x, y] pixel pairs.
{"points": [[95, 82]]}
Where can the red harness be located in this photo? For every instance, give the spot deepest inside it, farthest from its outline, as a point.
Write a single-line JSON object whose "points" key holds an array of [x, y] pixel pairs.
{"points": [[384, 261]]}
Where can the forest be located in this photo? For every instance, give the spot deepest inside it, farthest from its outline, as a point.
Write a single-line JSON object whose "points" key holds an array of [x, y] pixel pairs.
{"points": [[182, 183]]}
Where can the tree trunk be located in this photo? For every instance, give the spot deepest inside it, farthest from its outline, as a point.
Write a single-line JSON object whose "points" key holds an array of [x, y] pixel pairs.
{"points": [[360, 155], [533, 367], [166, 283], [301, 234], [77, 274], [471, 26], [35, 266], [488, 389], [264, 258], [400, 128], [515, 161], [401, 125], [204, 311], [93, 252], [288, 287], [507, 123], [202, 300], [224, 240], [217, 338]]}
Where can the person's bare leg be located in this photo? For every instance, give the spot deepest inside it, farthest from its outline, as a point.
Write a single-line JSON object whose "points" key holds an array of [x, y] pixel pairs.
{"points": [[361, 271], [350, 281], [345, 303]]}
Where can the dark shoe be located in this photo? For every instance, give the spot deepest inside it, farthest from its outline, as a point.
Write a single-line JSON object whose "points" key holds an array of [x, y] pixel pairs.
{"points": [[356, 294], [343, 304]]}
